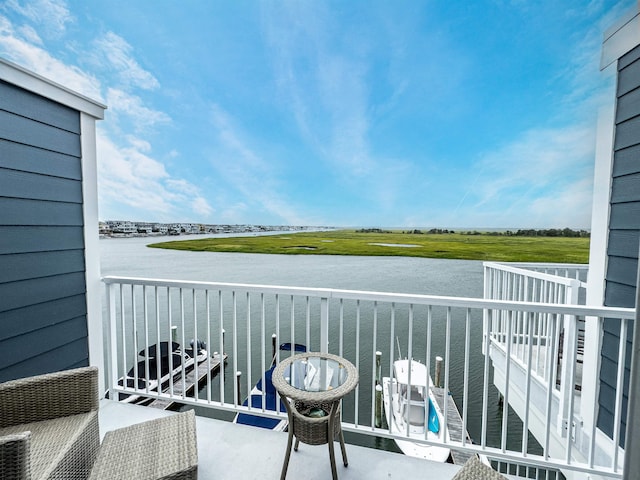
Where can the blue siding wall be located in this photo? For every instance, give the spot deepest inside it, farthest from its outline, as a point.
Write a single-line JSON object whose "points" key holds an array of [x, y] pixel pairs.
{"points": [[43, 324], [624, 234]]}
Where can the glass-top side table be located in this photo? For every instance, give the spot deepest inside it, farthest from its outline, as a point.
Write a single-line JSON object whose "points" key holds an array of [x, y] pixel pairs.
{"points": [[313, 384]]}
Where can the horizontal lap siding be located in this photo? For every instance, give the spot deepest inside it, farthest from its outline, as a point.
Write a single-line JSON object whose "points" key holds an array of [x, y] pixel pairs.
{"points": [[43, 325], [624, 236]]}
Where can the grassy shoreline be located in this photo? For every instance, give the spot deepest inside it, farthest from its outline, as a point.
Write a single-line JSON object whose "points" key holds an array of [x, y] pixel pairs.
{"points": [[349, 242]]}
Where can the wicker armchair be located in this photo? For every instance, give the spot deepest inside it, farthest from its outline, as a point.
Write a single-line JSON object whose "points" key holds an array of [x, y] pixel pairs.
{"points": [[49, 425]]}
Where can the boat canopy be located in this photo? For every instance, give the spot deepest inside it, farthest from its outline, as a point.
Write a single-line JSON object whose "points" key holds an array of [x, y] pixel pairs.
{"points": [[419, 376]]}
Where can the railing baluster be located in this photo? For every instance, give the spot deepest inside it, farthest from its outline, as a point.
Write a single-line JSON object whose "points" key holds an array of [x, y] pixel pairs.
{"points": [[182, 341], [465, 394], [553, 320], [527, 394], [194, 350], [505, 403], [234, 319], [373, 369], [134, 322], [146, 341], [357, 362], [428, 357], [617, 417], [170, 340], [209, 345], [410, 359], [262, 352], [447, 350], [123, 335], [308, 322], [292, 320], [248, 329], [341, 332], [158, 337], [391, 357], [221, 345], [485, 386]]}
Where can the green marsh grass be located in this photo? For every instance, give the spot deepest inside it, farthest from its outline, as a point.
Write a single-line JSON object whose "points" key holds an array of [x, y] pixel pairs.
{"points": [[485, 247]]}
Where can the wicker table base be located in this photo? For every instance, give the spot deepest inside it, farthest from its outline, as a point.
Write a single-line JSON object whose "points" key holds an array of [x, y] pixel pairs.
{"points": [[160, 449], [323, 427]]}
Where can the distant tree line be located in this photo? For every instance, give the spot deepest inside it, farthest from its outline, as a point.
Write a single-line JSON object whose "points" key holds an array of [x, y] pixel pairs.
{"points": [[432, 231], [530, 232], [373, 230]]}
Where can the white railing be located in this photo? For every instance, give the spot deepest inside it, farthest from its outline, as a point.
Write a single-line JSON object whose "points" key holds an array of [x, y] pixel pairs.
{"points": [[540, 283], [239, 320]]}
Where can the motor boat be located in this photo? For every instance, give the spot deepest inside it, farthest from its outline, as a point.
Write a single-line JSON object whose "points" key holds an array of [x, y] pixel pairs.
{"points": [[411, 410], [267, 392], [166, 362]]}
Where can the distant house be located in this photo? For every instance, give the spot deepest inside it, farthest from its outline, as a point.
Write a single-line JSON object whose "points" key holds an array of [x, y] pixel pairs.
{"points": [[50, 314]]}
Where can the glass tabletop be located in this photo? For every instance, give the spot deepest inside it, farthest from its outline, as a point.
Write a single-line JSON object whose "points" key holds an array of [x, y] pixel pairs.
{"points": [[316, 374]]}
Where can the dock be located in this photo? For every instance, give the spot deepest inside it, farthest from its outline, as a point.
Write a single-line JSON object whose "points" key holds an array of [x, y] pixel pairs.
{"points": [[454, 424], [187, 388]]}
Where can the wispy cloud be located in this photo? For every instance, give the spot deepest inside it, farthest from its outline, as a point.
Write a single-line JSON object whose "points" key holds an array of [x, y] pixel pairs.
{"points": [[325, 88], [141, 183], [142, 117], [51, 15], [246, 171], [18, 45], [542, 169], [116, 54]]}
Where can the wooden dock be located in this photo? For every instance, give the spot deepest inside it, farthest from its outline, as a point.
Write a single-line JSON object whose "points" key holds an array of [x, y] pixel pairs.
{"points": [[189, 384], [454, 424]]}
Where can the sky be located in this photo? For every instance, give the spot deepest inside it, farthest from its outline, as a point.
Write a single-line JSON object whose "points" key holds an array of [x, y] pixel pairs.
{"points": [[335, 113]]}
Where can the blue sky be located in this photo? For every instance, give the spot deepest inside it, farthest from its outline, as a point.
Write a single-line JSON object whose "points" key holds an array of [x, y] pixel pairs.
{"points": [[343, 113]]}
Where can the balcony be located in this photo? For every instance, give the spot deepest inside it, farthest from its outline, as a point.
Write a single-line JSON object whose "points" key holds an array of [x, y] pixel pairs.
{"points": [[240, 319], [226, 450]]}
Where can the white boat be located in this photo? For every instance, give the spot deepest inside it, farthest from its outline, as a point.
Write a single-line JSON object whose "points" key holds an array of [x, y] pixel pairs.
{"points": [[410, 406], [181, 359]]}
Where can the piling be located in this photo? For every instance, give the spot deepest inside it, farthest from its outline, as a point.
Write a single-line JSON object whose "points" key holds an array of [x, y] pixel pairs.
{"points": [[378, 418], [438, 370], [274, 350], [238, 390], [378, 367], [174, 333]]}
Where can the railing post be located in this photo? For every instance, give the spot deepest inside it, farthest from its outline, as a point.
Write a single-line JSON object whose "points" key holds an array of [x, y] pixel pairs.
{"points": [[324, 325], [485, 314], [568, 366], [631, 469], [112, 361]]}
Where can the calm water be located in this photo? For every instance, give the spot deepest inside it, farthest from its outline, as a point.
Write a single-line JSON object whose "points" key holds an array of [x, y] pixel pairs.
{"points": [[131, 257]]}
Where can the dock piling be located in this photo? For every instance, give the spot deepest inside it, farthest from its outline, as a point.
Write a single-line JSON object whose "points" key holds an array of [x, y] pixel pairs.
{"points": [[274, 350], [438, 370], [378, 406], [238, 390]]}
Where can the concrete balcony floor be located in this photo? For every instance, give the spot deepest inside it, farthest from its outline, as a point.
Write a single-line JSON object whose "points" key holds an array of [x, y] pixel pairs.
{"points": [[230, 451]]}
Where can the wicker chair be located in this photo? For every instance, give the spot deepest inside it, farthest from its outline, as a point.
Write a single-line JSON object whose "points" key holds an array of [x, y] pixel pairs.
{"points": [[49, 425], [160, 449]]}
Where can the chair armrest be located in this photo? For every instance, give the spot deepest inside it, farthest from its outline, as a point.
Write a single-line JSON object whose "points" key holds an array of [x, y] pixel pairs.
{"points": [[48, 396], [14, 456]]}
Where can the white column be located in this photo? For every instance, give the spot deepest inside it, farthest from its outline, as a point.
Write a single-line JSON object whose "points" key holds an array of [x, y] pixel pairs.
{"points": [[91, 245]]}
